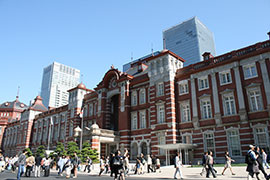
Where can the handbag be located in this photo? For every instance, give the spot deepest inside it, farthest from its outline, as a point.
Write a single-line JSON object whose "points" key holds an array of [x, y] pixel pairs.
{"points": [[16, 164]]}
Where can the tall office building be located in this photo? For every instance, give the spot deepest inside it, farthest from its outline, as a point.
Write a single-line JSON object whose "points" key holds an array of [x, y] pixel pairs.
{"points": [[57, 79], [189, 40]]}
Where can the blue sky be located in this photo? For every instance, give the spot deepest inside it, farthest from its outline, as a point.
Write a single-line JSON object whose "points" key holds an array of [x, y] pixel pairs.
{"points": [[92, 35]]}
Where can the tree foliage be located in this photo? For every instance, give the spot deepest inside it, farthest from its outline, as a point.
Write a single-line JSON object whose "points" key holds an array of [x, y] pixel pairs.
{"points": [[41, 151], [29, 152], [87, 151], [72, 147]]}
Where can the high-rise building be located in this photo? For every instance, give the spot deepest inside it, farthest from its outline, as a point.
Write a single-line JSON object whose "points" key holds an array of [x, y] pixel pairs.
{"points": [[57, 79], [189, 40]]}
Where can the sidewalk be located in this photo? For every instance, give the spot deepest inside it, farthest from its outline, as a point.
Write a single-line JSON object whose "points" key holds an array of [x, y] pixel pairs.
{"points": [[167, 172]]}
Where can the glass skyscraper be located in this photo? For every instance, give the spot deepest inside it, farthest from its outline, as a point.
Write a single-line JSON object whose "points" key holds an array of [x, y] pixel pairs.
{"points": [[189, 40], [57, 79]]}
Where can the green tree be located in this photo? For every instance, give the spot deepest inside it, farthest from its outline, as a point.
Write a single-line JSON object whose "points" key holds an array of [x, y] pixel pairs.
{"points": [[41, 151], [29, 152], [60, 149], [87, 151], [72, 147]]}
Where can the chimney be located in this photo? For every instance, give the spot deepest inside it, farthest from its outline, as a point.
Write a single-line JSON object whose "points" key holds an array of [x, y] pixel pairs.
{"points": [[207, 56]]}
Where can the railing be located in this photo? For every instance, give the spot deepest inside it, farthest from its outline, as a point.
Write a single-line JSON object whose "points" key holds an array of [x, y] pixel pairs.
{"points": [[225, 57]]}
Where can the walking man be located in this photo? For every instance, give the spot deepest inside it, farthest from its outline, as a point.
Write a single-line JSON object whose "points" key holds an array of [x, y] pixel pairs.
{"points": [[37, 165], [209, 165], [178, 164], [204, 163], [21, 162]]}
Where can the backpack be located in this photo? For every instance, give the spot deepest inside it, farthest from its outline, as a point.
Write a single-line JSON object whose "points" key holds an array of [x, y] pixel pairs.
{"points": [[248, 159]]}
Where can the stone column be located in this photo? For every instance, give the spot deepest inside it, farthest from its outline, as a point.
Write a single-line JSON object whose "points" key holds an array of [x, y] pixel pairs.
{"points": [[266, 82], [195, 119], [239, 90], [217, 115]]}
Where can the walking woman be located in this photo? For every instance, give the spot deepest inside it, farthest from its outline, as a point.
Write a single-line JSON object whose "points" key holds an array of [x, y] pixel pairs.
{"points": [[102, 165], [228, 161]]}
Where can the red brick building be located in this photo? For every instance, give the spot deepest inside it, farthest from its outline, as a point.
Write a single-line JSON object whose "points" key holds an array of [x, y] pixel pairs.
{"points": [[219, 104]]}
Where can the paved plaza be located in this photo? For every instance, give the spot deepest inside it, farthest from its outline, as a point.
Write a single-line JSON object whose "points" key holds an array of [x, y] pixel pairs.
{"points": [[166, 173]]}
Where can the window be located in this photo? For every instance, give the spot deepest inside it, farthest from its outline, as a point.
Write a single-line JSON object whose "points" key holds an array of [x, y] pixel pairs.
{"points": [[134, 98], [234, 142], [229, 105], [63, 133], [203, 83], [161, 141], [206, 111], [161, 113], [225, 77], [261, 137], [142, 120], [250, 71], [142, 96], [134, 120], [91, 110], [183, 87], [187, 139], [160, 89], [185, 112], [71, 129], [209, 142], [255, 100]]}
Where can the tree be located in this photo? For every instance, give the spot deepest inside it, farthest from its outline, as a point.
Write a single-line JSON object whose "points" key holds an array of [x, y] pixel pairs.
{"points": [[41, 151], [87, 151], [29, 152], [72, 147], [60, 149]]}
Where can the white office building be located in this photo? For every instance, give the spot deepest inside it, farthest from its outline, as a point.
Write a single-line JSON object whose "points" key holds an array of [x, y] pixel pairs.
{"points": [[189, 40], [57, 79]]}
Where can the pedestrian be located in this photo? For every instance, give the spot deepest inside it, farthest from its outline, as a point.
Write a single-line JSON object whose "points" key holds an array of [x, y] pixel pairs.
{"points": [[264, 158], [228, 161], [101, 165], [2, 162], [107, 164], [111, 164], [138, 165], [209, 165], [260, 161], [177, 165], [47, 163], [154, 162], [126, 165], [21, 162], [88, 165], [37, 165], [75, 164], [61, 162], [30, 162], [68, 167], [118, 164], [149, 164], [252, 165], [13, 166], [204, 163], [158, 164]]}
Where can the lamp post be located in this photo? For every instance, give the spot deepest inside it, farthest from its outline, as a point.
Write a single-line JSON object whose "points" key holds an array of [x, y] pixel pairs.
{"points": [[77, 132], [81, 137]]}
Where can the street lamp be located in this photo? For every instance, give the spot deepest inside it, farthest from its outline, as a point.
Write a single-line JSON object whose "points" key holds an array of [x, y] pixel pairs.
{"points": [[77, 132]]}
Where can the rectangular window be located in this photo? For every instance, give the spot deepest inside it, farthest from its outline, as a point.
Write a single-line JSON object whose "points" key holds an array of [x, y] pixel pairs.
{"points": [[134, 120], [183, 87], [161, 113], [142, 120], [250, 71], [187, 139], [206, 109], [142, 96], [229, 105], [203, 83], [261, 137], [91, 109], [134, 98], [225, 77], [160, 89], [255, 100], [185, 112], [161, 141], [234, 143], [209, 142]]}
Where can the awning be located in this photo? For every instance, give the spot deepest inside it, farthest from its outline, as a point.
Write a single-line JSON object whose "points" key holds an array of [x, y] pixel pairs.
{"points": [[176, 146]]}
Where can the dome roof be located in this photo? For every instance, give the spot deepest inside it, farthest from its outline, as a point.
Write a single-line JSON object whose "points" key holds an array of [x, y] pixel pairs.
{"points": [[94, 126], [81, 86]]}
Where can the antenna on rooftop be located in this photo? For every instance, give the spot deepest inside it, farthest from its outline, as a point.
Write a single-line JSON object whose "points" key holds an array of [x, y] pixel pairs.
{"points": [[152, 49], [18, 93], [81, 78], [164, 43], [131, 56]]}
